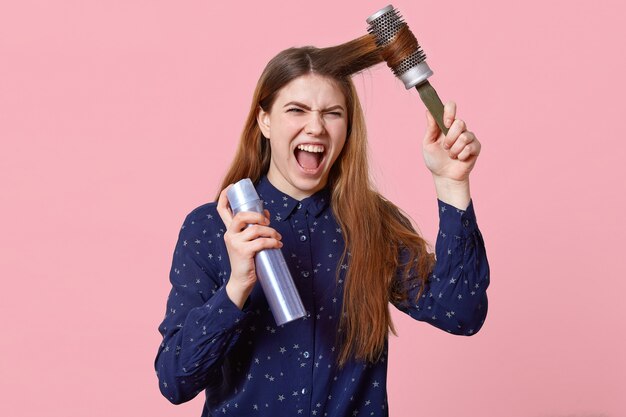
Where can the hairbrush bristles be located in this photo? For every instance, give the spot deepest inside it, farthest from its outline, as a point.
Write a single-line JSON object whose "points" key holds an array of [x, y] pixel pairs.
{"points": [[385, 25]]}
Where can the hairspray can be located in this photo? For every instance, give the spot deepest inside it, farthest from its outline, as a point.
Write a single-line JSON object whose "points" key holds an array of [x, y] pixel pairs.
{"points": [[271, 268]]}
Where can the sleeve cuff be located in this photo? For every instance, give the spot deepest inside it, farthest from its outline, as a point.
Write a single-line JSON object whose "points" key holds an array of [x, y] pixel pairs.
{"points": [[225, 314], [457, 222]]}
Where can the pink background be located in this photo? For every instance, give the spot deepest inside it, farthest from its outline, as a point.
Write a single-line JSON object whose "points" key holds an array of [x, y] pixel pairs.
{"points": [[119, 117]]}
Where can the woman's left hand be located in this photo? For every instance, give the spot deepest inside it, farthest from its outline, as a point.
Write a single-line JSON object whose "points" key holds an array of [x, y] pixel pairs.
{"points": [[450, 156]]}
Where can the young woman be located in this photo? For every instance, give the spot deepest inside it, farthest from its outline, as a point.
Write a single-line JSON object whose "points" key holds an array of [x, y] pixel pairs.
{"points": [[351, 252]]}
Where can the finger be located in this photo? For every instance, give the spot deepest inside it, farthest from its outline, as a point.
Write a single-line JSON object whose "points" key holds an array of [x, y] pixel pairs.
{"points": [[471, 151], [222, 207], [432, 129], [264, 243], [449, 113], [257, 231], [458, 127], [267, 215], [242, 219], [465, 153], [462, 141]]}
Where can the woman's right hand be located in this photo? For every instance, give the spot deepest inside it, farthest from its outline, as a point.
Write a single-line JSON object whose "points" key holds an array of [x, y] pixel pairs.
{"points": [[242, 243]]}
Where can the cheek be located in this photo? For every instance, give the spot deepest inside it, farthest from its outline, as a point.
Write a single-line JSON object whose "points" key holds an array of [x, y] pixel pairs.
{"points": [[338, 127], [337, 149], [339, 136], [291, 124], [279, 146], [285, 131]]}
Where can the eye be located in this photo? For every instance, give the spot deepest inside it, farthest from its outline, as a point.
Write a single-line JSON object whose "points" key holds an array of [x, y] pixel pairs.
{"points": [[295, 110], [335, 113]]}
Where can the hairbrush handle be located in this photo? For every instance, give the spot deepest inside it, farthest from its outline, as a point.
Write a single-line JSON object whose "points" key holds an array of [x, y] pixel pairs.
{"points": [[433, 103]]}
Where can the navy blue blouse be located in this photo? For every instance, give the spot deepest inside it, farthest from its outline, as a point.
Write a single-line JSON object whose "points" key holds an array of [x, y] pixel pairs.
{"points": [[247, 365]]}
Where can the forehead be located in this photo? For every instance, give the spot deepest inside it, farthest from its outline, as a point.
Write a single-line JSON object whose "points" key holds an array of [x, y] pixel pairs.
{"points": [[313, 90]]}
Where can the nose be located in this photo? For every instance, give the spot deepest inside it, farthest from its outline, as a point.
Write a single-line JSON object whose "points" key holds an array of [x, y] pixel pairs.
{"points": [[315, 124]]}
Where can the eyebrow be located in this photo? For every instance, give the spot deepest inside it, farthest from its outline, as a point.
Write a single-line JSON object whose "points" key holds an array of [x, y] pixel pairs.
{"points": [[304, 106]]}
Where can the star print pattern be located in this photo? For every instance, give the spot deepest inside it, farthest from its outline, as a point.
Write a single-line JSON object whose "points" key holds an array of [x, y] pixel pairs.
{"points": [[248, 366]]}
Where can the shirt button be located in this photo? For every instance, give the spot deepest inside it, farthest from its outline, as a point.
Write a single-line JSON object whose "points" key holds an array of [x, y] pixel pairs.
{"points": [[305, 274], [306, 355], [466, 223], [304, 390], [308, 314], [299, 206], [302, 238]]}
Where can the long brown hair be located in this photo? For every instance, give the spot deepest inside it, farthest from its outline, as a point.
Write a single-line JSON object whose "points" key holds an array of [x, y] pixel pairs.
{"points": [[379, 231]]}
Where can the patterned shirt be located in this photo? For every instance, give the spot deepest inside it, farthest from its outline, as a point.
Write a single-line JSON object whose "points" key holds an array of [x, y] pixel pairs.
{"points": [[249, 366]]}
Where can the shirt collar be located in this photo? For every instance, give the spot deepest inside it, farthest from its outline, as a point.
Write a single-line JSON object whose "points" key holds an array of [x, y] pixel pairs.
{"points": [[281, 205]]}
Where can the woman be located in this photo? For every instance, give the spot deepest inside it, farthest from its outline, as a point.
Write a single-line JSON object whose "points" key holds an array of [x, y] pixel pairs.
{"points": [[350, 251]]}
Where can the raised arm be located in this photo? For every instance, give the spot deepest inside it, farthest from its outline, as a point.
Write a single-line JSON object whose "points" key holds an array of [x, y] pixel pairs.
{"points": [[201, 322], [455, 297]]}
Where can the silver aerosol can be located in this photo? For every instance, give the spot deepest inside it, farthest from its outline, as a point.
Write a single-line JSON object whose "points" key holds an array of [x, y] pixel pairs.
{"points": [[271, 268]]}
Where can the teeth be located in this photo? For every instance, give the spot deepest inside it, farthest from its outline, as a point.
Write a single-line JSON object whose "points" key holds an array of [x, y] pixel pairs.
{"points": [[311, 148]]}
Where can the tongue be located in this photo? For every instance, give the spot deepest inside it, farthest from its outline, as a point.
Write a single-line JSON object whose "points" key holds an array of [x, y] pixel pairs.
{"points": [[308, 160]]}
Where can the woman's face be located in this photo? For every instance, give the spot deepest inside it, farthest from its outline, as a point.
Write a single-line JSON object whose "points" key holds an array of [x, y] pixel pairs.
{"points": [[306, 128]]}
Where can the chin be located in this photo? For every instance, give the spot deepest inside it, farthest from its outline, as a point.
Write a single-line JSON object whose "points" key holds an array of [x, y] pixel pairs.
{"points": [[308, 185]]}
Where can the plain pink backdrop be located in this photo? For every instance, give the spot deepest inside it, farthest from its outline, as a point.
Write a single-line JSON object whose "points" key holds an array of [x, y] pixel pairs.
{"points": [[117, 118]]}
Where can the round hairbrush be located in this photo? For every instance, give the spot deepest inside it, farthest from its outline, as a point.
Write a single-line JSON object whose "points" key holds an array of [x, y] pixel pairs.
{"points": [[405, 57]]}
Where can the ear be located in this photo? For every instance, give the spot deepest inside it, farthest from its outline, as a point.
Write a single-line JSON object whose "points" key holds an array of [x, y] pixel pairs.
{"points": [[263, 120]]}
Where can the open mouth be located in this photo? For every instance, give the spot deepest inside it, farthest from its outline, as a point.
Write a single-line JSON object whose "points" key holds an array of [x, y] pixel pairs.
{"points": [[309, 157]]}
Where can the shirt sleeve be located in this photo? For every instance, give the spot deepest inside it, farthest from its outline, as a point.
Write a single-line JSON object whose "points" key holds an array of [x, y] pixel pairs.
{"points": [[201, 323], [455, 296]]}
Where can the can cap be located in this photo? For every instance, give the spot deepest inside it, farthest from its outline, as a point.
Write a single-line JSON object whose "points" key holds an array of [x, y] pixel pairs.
{"points": [[240, 193]]}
